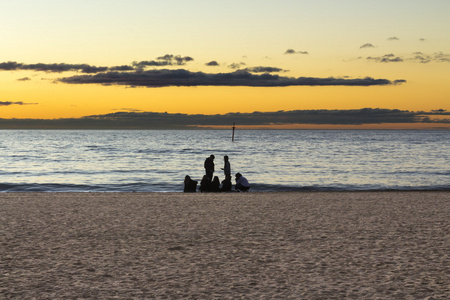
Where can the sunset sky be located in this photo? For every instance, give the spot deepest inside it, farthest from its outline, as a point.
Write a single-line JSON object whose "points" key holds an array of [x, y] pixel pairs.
{"points": [[69, 59]]}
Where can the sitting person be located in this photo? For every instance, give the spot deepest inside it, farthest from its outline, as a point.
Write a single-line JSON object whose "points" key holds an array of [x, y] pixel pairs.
{"points": [[226, 184], [204, 184], [242, 184], [190, 186], [214, 186]]}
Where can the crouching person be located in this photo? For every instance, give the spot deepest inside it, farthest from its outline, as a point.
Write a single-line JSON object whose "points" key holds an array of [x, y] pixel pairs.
{"points": [[190, 186], [204, 184], [242, 184], [226, 184]]}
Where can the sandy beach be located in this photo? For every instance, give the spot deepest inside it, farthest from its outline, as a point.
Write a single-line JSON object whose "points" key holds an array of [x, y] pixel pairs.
{"points": [[312, 245]]}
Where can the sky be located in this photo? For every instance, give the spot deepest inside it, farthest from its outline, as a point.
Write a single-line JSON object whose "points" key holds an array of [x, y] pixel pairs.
{"points": [[72, 59]]}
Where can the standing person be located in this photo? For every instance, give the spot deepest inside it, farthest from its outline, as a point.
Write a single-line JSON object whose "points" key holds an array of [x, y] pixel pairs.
{"points": [[242, 184], [226, 168], [209, 167]]}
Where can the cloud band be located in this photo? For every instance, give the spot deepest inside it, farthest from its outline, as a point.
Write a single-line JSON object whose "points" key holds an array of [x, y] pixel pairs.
{"points": [[181, 77]]}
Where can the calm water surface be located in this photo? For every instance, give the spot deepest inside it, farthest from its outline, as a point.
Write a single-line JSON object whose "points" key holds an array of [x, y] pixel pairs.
{"points": [[272, 160]]}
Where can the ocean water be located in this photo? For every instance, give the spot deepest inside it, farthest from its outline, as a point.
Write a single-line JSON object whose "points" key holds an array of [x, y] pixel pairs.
{"points": [[272, 160]]}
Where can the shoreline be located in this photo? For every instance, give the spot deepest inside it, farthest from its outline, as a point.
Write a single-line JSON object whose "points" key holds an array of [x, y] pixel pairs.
{"points": [[289, 245], [232, 192]]}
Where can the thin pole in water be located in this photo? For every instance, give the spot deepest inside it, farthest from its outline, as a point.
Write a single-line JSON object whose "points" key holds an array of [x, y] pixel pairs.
{"points": [[232, 137]]}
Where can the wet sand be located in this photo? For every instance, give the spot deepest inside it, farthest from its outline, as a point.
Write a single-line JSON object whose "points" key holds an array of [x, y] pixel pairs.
{"points": [[355, 245]]}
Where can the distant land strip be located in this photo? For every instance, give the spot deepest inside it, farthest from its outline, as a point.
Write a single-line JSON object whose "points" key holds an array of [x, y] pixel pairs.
{"points": [[436, 119]]}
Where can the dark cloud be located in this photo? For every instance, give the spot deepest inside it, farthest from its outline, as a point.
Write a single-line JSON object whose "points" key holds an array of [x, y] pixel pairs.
{"points": [[10, 66], [236, 65], [393, 38], [9, 103], [387, 58], [181, 77], [175, 60], [423, 58], [24, 79], [152, 120], [150, 63], [55, 68], [442, 57], [58, 68], [162, 61], [121, 68], [434, 116], [264, 70], [422, 39], [292, 51], [183, 60], [399, 81], [440, 111], [129, 109], [368, 45], [418, 57], [93, 69], [212, 64]]}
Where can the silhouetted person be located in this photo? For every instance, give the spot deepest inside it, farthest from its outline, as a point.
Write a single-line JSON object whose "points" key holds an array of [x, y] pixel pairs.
{"points": [[241, 183], [226, 167], [226, 184], [204, 184], [209, 166], [190, 186], [214, 186]]}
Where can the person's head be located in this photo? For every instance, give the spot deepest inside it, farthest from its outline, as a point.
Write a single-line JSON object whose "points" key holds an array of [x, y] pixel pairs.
{"points": [[238, 175], [212, 157], [187, 178], [225, 158], [216, 178]]}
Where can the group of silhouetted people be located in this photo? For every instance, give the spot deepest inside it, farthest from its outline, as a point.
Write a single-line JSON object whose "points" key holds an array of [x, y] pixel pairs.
{"points": [[211, 183]]}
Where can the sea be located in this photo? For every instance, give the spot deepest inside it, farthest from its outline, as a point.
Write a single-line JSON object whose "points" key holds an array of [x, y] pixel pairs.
{"points": [[271, 160]]}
